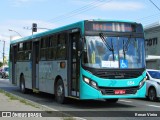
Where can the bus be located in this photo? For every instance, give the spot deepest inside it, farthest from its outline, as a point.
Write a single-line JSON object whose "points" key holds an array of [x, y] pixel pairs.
{"points": [[86, 60]]}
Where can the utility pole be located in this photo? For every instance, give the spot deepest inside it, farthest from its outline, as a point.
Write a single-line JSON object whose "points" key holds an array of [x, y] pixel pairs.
{"points": [[3, 49]]}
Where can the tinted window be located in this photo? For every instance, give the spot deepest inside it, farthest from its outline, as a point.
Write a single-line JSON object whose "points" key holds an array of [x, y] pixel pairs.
{"points": [[61, 46], [154, 74]]}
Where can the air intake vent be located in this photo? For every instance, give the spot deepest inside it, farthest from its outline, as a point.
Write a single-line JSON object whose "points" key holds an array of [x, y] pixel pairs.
{"points": [[118, 74]]}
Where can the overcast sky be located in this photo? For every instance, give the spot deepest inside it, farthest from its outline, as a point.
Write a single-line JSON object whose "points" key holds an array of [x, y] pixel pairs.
{"points": [[19, 15]]}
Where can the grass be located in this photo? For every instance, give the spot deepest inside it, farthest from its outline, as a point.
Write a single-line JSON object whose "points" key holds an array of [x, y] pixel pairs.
{"points": [[12, 97]]}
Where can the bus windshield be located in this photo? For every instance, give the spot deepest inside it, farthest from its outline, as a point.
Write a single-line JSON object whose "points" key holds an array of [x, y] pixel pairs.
{"points": [[114, 52]]}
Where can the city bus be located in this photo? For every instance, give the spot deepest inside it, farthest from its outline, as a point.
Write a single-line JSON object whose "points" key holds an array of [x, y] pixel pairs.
{"points": [[87, 60]]}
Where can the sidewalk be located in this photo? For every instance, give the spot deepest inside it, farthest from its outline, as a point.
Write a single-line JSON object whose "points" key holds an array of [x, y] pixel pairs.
{"points": [[9, 102]]}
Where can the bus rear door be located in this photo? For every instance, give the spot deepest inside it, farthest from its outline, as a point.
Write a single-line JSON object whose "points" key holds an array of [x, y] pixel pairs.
{"points": [[35, 66], [14, 60]]}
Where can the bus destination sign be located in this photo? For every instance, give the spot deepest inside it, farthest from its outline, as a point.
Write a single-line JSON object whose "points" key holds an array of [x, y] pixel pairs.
{"points": [[111, 27], [119, 27]]}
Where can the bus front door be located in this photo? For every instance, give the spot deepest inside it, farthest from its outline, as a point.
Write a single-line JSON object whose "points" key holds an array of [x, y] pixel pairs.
{"points": [[73, 68], [35, 66]]}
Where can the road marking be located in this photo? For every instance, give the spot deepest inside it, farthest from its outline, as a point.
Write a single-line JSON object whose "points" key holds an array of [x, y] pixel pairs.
{"points": [[125, 101], [79, 118], [48, 107], [154, 106]]}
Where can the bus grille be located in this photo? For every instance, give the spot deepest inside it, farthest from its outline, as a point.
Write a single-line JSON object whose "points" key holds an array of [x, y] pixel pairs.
{"points": [[117, 75], [110, 90]]}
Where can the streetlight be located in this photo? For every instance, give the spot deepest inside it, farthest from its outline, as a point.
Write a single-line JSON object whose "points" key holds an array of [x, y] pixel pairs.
{"points": [[15, 32]]}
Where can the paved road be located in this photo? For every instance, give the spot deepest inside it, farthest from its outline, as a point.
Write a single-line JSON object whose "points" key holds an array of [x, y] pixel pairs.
{"points": [[98, 108]]}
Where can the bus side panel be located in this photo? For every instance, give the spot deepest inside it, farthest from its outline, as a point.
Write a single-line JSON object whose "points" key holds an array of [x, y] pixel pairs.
{"points": [[48, 71], [25, 69]]}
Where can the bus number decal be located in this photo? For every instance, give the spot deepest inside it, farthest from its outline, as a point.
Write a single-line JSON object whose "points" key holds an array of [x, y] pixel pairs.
{"points": [[130, 83]]}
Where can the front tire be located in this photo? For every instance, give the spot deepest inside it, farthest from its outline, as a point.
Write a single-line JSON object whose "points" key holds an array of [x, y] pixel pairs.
{"points": [[60, 92], [152, 94]]}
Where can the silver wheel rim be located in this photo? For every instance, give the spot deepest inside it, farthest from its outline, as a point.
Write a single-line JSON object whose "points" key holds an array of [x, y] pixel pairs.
{"points": [[22, 86], [152, 95], [59, 90]]}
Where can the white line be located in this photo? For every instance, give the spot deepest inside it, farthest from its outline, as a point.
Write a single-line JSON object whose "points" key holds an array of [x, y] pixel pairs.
{"points": [[79, 118], [125, 101], [49, 107], [154, 106]]}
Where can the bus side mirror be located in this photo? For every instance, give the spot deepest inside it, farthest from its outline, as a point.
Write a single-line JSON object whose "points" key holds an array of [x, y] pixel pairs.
{"points": [[147, 78], [80, 53], [81, 41]]}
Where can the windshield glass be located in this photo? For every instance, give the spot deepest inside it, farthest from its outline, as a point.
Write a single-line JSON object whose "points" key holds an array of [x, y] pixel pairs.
{"points": [[154, 74], [114, 52]]}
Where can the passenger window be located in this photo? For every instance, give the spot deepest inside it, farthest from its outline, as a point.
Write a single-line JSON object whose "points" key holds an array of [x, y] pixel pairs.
{"points": [[52, 47], [61, 46]]}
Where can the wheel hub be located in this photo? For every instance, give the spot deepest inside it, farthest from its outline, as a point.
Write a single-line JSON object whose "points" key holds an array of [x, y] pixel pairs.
{"points": [[59, 90]]}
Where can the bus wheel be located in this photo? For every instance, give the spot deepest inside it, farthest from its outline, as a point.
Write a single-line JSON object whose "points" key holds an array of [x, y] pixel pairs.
{"points": [[112, 100], [22, 85], [59, 92], [152, 94]]}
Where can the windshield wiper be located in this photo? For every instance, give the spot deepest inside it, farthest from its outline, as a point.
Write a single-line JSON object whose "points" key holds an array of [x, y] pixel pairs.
{"points": [[107, 45], [124, 53], [105, 42], [125, 47]]}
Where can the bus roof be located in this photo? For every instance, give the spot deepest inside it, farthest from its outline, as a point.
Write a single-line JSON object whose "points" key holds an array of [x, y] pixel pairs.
{"points": [[79, 24], [71, 26]]}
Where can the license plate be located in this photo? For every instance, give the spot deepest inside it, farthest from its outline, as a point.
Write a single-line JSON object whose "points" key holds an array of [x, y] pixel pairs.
{"points": [[119, 92]]}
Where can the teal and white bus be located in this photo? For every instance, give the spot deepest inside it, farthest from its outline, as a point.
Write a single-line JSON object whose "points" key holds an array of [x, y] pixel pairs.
{"points": [[90, 59]]}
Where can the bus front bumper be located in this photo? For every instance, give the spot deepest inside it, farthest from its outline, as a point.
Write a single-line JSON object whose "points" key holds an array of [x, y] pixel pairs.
{"points": [[89, 92]]}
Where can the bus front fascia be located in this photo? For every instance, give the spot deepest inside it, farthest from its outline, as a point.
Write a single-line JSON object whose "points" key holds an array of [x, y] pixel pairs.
{"points": [[91, 85]]}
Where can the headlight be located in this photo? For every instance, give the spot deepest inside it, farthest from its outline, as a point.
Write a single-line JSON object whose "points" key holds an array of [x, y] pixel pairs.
{"points": [[86, 80], [94, 84], [90, 82], [142, 83]]}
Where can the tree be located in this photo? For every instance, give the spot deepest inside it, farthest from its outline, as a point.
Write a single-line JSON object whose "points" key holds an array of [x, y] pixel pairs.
{"points": [[5, 60], [1, 64]]}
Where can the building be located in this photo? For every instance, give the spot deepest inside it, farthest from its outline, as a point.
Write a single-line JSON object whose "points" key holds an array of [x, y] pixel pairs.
{"points": [[152, 36]]}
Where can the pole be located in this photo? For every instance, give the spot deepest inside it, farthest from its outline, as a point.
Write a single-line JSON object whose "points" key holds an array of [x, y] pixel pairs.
{"points": [[3, 51]]}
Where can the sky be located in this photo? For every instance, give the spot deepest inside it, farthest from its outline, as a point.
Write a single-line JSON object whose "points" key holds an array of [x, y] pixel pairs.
{"points": [[18, 15]]}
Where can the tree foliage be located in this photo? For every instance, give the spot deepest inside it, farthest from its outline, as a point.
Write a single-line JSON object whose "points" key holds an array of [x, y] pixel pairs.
{"points": [[1, 64]]}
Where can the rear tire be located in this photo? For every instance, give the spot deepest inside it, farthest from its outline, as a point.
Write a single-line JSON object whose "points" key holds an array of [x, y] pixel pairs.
{"points": [[22, 85], [112, 100], [152, 94], [2, 76], [60, 92]]}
